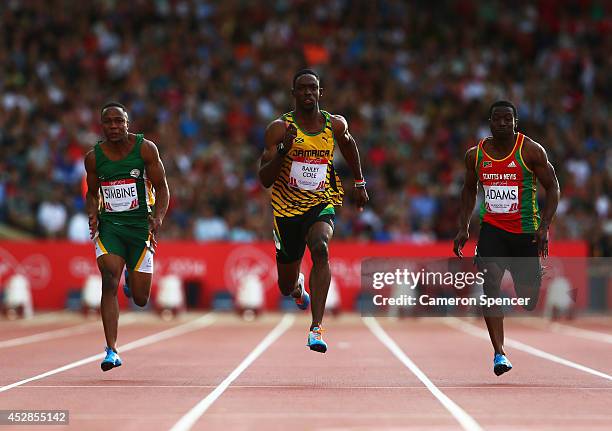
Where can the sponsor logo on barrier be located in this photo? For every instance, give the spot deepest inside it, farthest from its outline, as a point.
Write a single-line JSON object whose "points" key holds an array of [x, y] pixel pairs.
{"points": [[35, 267], [82, 267], [55, 267], [346, 272], [249, 260], [183, 267]]}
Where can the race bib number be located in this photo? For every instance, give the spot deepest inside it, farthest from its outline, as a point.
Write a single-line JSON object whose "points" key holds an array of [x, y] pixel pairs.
{"points": [[120, 195], [501, 199], [308, 174]]}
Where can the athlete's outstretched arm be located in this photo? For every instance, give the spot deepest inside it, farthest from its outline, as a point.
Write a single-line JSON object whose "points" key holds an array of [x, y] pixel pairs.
{"points": [[468, 200], [272, 160], [157, 175], [544, 171], [92, 197], [348, 148]]}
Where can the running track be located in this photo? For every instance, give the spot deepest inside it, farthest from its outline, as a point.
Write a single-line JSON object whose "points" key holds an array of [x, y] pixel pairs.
{"points": [[215, 372]]}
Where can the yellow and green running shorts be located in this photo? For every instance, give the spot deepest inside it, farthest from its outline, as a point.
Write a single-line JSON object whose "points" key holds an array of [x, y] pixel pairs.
{"points": [[131, 243]]}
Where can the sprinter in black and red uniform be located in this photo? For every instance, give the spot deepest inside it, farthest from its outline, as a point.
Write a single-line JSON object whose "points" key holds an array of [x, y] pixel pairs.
{"points": [[513, 233]]}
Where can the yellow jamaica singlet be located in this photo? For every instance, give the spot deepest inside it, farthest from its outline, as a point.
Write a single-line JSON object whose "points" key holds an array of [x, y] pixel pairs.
{"points": [[307, 177]]}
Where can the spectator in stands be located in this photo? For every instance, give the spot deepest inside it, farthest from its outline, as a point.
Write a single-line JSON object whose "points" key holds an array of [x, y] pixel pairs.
{"points": [[52, 216], [203, 78]]}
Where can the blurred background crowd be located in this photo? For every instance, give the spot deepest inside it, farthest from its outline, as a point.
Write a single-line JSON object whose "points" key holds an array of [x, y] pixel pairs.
{"points": [[203, 78]]}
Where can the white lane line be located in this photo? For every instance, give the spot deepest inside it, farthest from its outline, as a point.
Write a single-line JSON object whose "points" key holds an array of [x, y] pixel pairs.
{"points": [[309, 387], [48, 335], [190, 418], [63, 332], [193, 325], [39, 318], [475, 331], [561, 328], [466, 421]]}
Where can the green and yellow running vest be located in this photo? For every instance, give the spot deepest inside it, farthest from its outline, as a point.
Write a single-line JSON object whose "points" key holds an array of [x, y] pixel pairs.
{"points": [[127, 194], [307, 177]]}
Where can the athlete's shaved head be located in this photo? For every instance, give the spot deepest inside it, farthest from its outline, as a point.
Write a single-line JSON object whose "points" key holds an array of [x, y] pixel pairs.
{"points": [[502, 119], [115, 122], [305, 72], [114, 105], [306, 90], [503, 104]]}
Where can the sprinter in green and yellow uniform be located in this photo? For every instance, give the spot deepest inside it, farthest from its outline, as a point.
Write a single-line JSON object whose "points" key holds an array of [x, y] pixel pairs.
{"points": [[298, 166], [127, 199]]}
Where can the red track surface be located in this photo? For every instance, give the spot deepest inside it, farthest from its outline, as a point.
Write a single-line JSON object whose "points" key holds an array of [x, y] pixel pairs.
{"points": [[359, 384]]}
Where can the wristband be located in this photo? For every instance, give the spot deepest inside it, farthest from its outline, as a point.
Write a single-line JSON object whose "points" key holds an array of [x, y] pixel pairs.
{"points": [[360, 183], [282, 149]]}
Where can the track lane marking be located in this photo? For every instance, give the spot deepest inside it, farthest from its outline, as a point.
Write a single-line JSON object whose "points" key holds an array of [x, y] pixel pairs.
{"points": [[496, 387], [191, 417], [184, 328], [466, 421], [574, 331], [54, 334], [475, 331]]}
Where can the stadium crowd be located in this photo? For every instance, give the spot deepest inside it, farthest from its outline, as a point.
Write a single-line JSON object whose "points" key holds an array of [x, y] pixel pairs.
{"points": [[203, 78]]}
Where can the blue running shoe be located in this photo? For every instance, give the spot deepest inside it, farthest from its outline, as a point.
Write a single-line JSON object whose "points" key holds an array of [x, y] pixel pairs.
{"points": [[315, 341], [501, 364], [111, 360], [303, 301], [126, 288]]}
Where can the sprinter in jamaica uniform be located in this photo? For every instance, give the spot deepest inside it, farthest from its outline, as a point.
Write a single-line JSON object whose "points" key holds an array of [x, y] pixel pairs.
{"points": [[513, 232], [298, 165], [125, 176]]}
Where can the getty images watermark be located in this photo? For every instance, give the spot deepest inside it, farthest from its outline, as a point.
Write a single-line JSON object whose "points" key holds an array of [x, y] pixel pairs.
{"points": [[452, 286]]}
